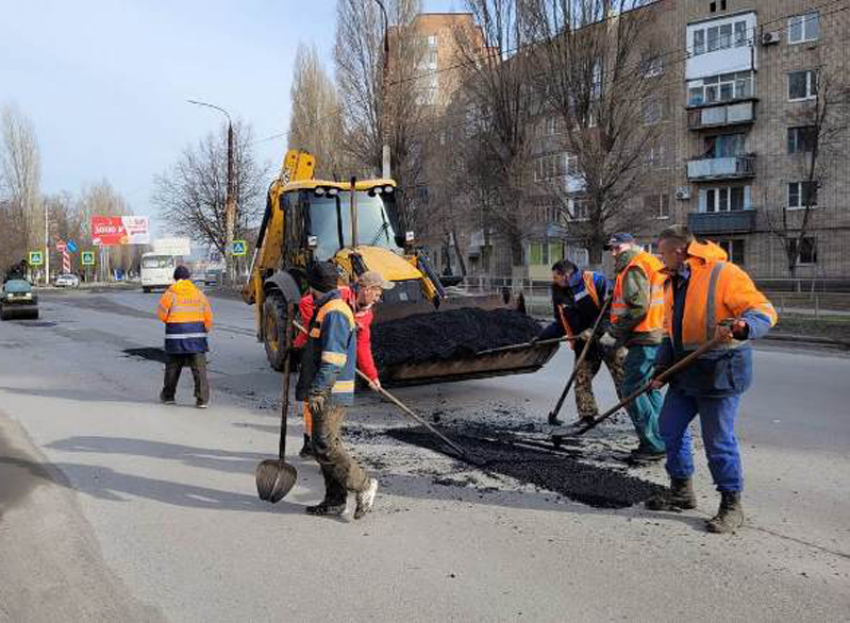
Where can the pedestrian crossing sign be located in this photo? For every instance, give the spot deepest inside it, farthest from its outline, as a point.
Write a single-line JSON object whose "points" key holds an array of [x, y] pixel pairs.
{"points": [[240, 248], [36, 258], [87, 258]]}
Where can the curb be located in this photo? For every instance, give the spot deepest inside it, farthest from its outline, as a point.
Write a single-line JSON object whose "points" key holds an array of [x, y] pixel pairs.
{"points": [[807, 339]]}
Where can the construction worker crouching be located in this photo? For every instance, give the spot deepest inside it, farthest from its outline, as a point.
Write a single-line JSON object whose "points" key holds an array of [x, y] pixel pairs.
{"points": [[326, 382], [706, 296], [188, 318], [637, 322], [577, 299]]}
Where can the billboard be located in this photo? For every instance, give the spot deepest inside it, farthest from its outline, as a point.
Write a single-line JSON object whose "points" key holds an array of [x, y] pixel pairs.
{"points": [[108, 231], [172, 246]]}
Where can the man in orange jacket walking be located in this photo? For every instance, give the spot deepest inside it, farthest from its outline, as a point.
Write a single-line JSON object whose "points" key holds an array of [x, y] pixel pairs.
{"points": [[187, 315]]}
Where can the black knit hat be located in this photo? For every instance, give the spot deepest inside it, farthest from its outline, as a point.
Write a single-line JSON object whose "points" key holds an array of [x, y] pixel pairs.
{"points": [[323, 277], [181, 272]]}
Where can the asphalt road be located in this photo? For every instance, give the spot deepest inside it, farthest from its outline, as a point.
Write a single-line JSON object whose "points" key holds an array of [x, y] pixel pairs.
{"points": [[114, 507]]}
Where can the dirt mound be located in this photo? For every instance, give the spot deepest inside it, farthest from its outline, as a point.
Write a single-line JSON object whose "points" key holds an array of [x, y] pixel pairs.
{"points": [[454, 334]]}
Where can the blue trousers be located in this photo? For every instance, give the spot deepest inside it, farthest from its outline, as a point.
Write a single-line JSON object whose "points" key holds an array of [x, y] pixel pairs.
{"points": [[717, 420], [637, 372]]}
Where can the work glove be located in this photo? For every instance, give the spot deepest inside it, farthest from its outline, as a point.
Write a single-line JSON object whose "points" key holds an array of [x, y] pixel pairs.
{"points": [[375, 384], [586, 335], [534, 340], [608, 341], [733, 329]]}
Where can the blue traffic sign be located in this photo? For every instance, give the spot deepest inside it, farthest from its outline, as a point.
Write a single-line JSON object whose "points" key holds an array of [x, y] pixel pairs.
{"points": [[71, 246], [240, 248]]}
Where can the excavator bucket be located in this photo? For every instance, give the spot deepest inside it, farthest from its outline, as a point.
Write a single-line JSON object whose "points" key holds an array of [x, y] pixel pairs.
{"points": [[418, 343]]}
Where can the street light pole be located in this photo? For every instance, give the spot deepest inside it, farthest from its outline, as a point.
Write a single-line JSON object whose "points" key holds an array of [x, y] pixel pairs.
{"points": [[385, 153], [230, 198]]}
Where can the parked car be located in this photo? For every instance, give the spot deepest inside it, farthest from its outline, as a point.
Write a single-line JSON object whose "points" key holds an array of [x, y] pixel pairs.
{"points": [[17, 299], [67, 280], [213, 277]]}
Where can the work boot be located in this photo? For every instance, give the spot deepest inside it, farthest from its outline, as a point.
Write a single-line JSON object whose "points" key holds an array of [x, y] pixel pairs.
{"points": [[165, 399], [200, 404], [680, 495], [366, 498], [641, 456], [325, 508], [554, 421], [307, 449], [730, 516]]}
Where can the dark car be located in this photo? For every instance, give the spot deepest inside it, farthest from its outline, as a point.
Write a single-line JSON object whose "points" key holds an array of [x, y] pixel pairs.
{"points": [[17, 300], [213, 277]]}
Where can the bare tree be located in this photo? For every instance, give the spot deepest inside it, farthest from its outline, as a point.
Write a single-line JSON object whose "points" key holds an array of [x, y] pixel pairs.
{"points": [[191, 195], [20, 176], [379, 89], [500, 117], [595, 64], [819, 138], [101, 199], [316, 122]]}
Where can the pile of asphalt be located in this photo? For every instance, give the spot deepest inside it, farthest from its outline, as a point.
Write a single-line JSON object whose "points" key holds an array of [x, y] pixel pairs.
{"points": [[595, 486], [449, 335]]}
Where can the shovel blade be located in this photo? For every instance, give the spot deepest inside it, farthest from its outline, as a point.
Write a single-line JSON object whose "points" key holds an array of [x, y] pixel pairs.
{"points": [[275, 478]]}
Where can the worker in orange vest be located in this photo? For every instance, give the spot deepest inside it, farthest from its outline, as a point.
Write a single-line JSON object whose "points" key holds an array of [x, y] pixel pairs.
{"points": [[706, 296], [187, 315], [637, 322]]}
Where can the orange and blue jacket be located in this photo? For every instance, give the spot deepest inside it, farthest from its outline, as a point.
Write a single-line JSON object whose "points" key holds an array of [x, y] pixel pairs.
{"points": [[330, 356], [188, 318], [706, 292]]}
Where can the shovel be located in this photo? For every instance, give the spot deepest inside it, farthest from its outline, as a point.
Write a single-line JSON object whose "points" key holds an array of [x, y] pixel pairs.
{"points": [[556, 340], [553, 415], [276, 477], [582, 427]]}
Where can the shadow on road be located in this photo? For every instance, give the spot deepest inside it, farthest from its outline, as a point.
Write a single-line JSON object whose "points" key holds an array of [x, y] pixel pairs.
{"points": [[70, 393], [206, 458]]}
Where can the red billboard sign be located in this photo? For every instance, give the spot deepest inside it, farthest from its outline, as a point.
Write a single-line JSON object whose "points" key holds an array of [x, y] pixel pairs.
{"points": [[109, 231]]}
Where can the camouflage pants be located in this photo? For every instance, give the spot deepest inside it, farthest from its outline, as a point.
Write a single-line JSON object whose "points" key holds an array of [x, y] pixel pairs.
{"points": [[585, 400], [341, 472]]}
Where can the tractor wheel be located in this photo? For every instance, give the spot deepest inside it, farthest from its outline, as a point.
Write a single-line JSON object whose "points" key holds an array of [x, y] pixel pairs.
{"points": [[274, 334], [146, 289]]}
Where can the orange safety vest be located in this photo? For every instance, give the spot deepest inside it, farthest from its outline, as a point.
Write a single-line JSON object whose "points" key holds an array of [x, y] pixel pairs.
{"points": [[654, 318], [717, 291], [590, 287]]}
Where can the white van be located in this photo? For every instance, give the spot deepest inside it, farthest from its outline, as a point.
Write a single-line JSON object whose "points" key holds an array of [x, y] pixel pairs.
{"points": [[157, 270]]}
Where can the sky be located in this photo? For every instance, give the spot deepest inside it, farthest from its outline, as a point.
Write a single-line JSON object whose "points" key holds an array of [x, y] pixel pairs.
{"points": [[105, 82]]}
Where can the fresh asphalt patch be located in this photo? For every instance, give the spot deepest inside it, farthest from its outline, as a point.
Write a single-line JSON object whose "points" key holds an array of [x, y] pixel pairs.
{"points": [[589, 484]]}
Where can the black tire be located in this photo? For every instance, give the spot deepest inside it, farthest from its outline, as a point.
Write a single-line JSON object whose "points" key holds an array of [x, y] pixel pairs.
{"points": [[274, 332], [146, 289], [4, 315]]}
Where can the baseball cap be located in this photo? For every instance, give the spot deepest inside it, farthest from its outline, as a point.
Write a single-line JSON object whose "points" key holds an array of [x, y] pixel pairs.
{"points": [[374, 279], [615, 239]]}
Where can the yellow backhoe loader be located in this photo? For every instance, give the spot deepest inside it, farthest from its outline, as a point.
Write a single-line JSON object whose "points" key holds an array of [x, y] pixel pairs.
{"points": [[355, 225]]}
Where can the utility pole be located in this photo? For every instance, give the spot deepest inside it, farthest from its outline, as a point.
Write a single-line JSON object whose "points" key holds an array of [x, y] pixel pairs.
{"points": [[46, 243], [230, 197], [385, 172]]}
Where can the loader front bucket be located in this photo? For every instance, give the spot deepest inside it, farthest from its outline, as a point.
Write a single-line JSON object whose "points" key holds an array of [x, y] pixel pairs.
{"points": [[417, 343]]}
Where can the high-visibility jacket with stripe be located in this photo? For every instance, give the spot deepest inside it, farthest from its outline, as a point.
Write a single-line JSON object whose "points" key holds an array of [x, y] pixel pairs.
{"points": [[651, 266], [717, 290], [330, 356], [706, 292], [188, 318], [576, 307]]}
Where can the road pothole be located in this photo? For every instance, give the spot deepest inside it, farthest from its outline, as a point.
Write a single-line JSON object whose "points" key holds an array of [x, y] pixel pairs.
{"points": [[150, 354], [593, 485]]}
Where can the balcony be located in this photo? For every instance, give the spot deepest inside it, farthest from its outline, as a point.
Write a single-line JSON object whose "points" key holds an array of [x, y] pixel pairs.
{"points": [[713, 223], [721, 116], [732, 167]]}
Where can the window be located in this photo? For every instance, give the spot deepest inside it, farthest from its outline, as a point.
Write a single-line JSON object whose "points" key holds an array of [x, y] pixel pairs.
{"points": [[803, 28], [596, 89], [741, 38], [547, 167], [802, 195], [657, 206], [432, 58], [808, 251], [654, 158], [652, 111], [725, 199], [801, 140], [550, 126], [734, 248], [651, 65], [432, 40], [724, 146], [802, 85], [722, 88], [581, 210], [699, 42]]}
